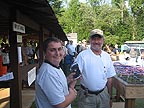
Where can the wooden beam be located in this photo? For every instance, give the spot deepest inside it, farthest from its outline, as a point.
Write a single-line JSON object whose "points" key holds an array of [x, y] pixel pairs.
{"points": [[25, 20], [41, 38], [15, 89], [4, 10]]}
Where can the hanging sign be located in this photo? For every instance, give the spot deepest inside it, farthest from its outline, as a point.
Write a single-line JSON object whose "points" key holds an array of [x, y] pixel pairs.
{"points": [[18, 27], [19, 38], [5, 58], [19, 54], [31, 76]]}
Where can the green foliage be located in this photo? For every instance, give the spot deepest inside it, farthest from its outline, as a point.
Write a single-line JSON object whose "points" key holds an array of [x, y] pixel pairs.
{"points": [[119, 22], [137, 10], [77, 18], [57, 6]]}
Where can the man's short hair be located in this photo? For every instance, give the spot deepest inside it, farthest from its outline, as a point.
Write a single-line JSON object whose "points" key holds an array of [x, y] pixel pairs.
{"points": [[49, 40]]}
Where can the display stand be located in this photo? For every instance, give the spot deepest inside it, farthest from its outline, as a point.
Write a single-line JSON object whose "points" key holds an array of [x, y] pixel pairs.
{"points": [[129, 92]]}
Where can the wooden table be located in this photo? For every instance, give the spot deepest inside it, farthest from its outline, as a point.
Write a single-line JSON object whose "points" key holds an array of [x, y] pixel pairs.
{"points": [[128, 91]]}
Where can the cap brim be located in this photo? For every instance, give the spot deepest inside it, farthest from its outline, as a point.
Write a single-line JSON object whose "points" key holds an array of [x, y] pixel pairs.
{"points": [[96, 35]]}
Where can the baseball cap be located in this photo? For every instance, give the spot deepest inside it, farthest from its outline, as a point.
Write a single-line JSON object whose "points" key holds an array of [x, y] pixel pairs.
{"points": [[96, 32]]}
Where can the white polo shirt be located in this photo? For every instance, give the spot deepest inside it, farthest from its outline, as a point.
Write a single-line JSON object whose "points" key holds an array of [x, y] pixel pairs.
{"points": [[95, 69], [51, 86]]}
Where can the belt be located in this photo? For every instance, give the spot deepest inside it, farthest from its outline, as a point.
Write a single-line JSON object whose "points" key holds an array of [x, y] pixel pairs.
{"points": [[92, 92]]}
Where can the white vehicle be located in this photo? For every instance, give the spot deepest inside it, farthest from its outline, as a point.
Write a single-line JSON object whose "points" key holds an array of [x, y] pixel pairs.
{"points": [[127, 48], [139, 48]]}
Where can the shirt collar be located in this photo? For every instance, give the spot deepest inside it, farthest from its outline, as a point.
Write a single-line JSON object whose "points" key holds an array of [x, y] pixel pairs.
{"points": [[46, 61]]}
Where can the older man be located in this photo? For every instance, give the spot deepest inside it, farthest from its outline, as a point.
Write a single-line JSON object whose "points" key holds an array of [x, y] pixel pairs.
{"points": [[97, 71]]}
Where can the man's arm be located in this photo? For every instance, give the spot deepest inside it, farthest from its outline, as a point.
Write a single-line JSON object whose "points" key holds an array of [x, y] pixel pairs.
{"points": [[68, 99], [109, 86]]}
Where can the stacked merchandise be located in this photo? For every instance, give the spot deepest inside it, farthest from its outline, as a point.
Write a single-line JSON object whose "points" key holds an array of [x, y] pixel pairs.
{"points": [[131, 74]]}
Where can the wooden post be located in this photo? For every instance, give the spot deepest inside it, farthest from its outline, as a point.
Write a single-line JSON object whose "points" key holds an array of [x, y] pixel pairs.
{"points": [[129, 103], [15, 89], [41, 38]]}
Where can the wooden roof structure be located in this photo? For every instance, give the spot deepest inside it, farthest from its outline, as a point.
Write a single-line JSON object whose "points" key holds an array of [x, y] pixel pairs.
{"points": [[33, 14], [38, 18]]}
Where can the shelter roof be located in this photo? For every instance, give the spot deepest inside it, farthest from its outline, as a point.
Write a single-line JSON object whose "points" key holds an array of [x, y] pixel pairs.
{"points": [[38, 10]]}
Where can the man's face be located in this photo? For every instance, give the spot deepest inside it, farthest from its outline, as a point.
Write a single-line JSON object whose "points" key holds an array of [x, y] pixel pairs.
{"points": [[54, 53], [96, 43]]}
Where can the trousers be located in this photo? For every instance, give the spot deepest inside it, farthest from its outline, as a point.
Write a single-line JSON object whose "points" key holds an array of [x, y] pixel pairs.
{"points": [[88, 100]]}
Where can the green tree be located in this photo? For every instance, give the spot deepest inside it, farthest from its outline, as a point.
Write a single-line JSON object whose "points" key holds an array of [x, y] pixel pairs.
{"points": [[119, 21], [70, 17], [57, 6], [137, 11], [78, 18]]}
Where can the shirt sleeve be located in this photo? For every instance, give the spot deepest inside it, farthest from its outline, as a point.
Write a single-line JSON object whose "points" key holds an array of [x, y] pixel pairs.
{"points": [[111, 70]]}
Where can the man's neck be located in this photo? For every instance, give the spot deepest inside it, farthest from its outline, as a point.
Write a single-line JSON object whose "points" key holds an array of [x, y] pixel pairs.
{"points": [[97, 52]]}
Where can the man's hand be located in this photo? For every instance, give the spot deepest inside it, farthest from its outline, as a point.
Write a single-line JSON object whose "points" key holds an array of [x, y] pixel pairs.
{"points": [[70, 78]]}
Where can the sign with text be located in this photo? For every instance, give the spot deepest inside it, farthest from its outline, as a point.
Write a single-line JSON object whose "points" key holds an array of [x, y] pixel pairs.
{"points": [[19, 38], [31, 76], [18, 27]]}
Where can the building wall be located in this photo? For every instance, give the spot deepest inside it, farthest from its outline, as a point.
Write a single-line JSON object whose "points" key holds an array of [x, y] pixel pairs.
{"points": [[73, 37]]}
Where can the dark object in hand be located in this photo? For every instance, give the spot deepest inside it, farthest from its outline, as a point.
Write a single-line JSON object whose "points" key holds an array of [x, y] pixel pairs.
{"points": [[75, 68]]}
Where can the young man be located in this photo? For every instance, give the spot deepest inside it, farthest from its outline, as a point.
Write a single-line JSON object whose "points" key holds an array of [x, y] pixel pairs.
{"points": [[51, 84], [97, 71]]}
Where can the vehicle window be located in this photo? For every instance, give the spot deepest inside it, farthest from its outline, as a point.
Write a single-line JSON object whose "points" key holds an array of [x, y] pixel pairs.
{"points": [[141, 50]]}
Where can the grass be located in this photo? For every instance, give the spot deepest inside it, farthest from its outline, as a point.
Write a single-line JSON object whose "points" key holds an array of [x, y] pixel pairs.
{"points": [[139, 103], [33, 105], [74, 104]]}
